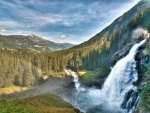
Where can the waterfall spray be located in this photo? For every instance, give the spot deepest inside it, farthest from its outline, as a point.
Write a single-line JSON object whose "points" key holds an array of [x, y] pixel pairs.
{"points": [[122, 77], [118, 83]]}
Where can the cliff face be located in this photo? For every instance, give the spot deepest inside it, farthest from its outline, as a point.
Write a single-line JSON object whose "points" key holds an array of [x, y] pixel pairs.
{"points": [[144, 106]]}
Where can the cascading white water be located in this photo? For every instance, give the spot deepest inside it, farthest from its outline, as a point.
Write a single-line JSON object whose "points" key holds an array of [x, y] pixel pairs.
{"points": [[77, 87], [75, 79], [121, 78], [116, 86]]}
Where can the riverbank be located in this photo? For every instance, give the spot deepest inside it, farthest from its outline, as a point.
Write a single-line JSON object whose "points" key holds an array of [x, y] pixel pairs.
{"points": [[45, 103], [49, 97]]}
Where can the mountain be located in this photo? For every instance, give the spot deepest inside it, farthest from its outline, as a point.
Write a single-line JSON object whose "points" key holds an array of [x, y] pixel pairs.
{"points": [[66, 45], [96, 56], [31, 43], [99, 51], [92, 59]]}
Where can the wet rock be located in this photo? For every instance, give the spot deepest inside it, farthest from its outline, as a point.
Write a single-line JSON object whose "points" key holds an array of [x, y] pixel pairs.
{"points": [[103, 109]]}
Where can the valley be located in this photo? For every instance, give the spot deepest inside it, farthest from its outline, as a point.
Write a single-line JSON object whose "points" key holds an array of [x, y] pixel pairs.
{"points": [[109, 73]]}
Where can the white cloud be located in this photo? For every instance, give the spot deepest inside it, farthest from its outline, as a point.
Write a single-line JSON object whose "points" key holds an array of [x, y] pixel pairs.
{"points": [[2, 30], [30, 16], [84, 12], [19, 33], [62, 37], [8, 23]]}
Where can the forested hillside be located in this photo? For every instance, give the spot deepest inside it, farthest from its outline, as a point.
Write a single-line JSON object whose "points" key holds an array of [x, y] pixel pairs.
{"points": [[30, 43], [25, 68]]}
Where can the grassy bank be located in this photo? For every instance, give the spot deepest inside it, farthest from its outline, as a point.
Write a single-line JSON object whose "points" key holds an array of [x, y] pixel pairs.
{"points": [[88, 75], [40, 104]]}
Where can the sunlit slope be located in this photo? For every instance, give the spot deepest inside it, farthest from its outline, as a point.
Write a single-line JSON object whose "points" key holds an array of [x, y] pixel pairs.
{"points": [[97, 55], [40, 104]]}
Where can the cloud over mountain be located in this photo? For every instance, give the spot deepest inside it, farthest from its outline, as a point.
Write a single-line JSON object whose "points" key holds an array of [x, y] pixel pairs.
{"points": [[52, 19]]}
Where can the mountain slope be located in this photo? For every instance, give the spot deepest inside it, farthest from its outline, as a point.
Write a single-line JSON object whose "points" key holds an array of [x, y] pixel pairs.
{"points": [[94, 56], [99, 49], [123, 22], [103, 50], [31, 43]]}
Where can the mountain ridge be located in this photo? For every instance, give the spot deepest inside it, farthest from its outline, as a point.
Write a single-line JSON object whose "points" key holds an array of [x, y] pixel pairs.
{"points": [[31, 43], [126, 17]]}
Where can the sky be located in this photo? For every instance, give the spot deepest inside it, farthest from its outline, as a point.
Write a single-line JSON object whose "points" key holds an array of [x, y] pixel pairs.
{"points": [[72, 21]]}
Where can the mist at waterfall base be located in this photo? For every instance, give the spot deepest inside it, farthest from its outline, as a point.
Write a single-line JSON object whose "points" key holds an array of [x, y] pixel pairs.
{"points": [[111, 98]]}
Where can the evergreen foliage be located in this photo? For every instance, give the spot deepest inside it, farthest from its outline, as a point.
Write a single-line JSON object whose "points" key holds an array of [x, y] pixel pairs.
{"points": [[20, 67]]}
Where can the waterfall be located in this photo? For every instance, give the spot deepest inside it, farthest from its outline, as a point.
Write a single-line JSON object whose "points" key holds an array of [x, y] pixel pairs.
{"points": [[122, 76], [118, 84], [77, 86], [75, 80]]}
